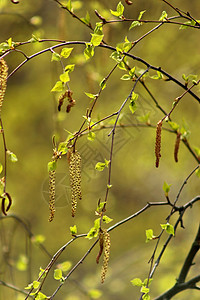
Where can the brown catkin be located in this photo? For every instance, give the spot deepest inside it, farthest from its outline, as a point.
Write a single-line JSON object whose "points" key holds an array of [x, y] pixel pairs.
{"points": [[158, 142], [101, 245], [106, 255], [176, 147], [52, 194], [75, 179], [3, 80]]}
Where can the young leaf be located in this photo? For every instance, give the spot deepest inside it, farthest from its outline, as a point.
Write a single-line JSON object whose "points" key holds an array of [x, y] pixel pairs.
{"points": [[73, 230], [197, 172], [66, 52], [89, 51], [144, 290], [91, 136], [141, 14], [91, 96], [144, 118], [92, 233], [36, 284], [119, 11], [96, 39], [137, 282], [40, 296], [125, 77], [134, 24], [38, 239], [86, 19], [58, 87], [51, 166], [168, 227], [173, 125], [70, 68], [65, 266], [12, 156], [57, 274], [166, 188], [163, 16], [103, 83], [132, 106], [149, 235], [146, 297], [94, 294], [1, 168], [107, 220], [55, 57], [65, 77]]}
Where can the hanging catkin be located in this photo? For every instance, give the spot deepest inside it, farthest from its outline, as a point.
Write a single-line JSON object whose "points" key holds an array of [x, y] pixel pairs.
{"points": [[106, 255], [158, 142], [3, 80], [52, 194], [176, 147], [75, 179]]}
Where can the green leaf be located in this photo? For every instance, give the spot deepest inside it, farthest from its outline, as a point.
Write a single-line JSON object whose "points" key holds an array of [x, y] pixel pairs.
{"points": [[86, 19], [100, 206], [10, 42], [73, 230], [168, 227], [125, 77], [144, 290], [173, 125], [89, 51], [22, 263], [149, 235], [64, 266], [12, 156], [132, 106], [91, 136], [94, 294], [58, 87], [103, 83], [197, 172], [52, 166], [62, 148], [116, 56], [197, 151], [92, 233], [70, 68], [163, 16], [107, 220], [66, 52], [69, 5], [40, 296], [38, 239], [147, 280], [92, 96], [119, 11], [57, 274], [96, 39], [55, 57], [193, 23], [1, 168], [30, 286], [134, 24], [36, 284], [97, 223], [146, 297], [98, 28], [65, 77], [137, 282], [144, 118], [158, 76], [166, 188], [141, 14]]}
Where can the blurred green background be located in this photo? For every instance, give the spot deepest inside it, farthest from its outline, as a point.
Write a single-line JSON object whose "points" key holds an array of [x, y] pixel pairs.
{"points": [[30, 119]]}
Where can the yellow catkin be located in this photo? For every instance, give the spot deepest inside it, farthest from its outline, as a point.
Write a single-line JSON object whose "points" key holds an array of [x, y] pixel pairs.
{"points": [[3, 80], [52, 194], [106, 255], [158, 143], [75, 179], [176, 147]]}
